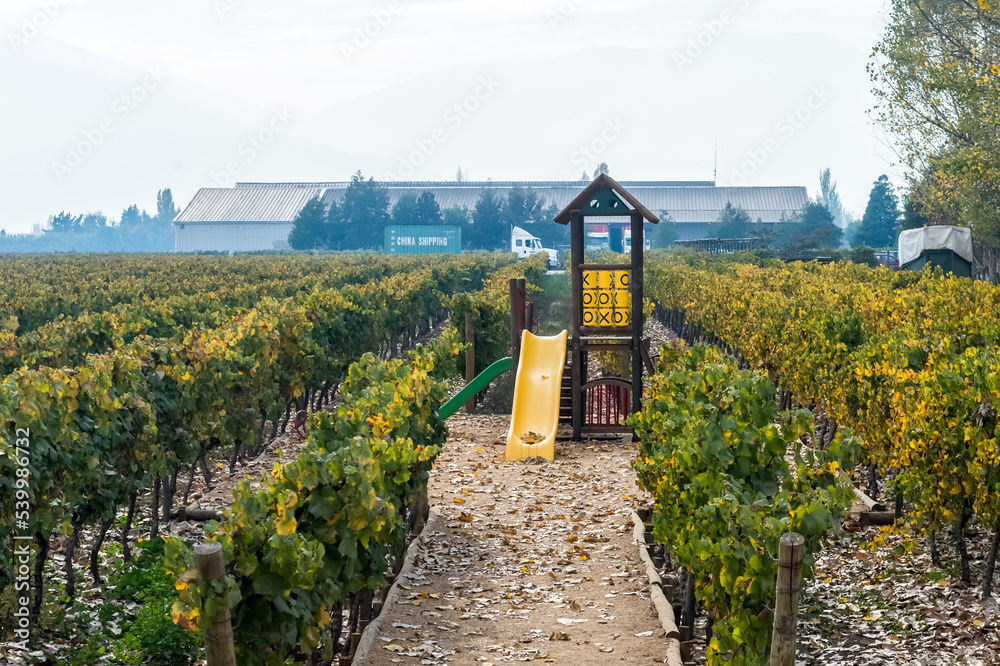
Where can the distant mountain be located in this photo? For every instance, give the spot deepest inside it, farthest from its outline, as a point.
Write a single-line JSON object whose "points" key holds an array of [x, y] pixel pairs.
{"points": [[638, 110]]}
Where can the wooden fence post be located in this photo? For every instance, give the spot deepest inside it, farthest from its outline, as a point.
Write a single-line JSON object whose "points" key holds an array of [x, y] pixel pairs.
{"points": [[470, 359], [219, 648], [791, 551], [516, 320]]}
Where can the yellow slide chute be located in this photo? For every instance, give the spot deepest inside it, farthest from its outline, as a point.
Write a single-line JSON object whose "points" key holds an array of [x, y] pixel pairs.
{"points": [[537, 390]]}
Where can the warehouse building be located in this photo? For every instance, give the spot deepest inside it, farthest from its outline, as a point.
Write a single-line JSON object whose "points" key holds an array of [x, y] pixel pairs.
{"points": [[259, 216]]}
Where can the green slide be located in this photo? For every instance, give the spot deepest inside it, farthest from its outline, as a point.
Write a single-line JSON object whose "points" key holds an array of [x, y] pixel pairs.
{"points": [[475, 386]]}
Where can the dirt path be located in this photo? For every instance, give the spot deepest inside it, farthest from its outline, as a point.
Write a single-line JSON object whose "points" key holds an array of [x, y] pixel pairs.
{"points": [[535, 560]]}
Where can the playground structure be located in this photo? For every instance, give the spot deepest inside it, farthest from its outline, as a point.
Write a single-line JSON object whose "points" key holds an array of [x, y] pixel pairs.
{"points": [[553, 384]]}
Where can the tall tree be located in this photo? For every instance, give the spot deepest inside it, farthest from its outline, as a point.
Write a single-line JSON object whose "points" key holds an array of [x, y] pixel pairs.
{"points": [[404, 211], [830, 198], [936, 72], [310, 230], [522, 207], [363, 215], [664, 233], [132, 219], [733, 222], [601, 168], [913, 214], [803, 234], [411, 210], [878, 226], [428, 210], [92, 222], [64, 222], [166, 210], [457, 216], [489, 230]]}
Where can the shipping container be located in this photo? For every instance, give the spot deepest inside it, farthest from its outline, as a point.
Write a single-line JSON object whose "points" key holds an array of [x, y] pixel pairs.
{"points": [[423, 240]]}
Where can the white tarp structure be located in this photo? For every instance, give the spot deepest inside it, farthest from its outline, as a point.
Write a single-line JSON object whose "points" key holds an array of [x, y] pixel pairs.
{"points": [[913, 242]]}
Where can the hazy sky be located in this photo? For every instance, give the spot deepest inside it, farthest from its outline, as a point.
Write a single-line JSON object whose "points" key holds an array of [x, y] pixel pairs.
{"points": [[313, 55], [271, 52]]}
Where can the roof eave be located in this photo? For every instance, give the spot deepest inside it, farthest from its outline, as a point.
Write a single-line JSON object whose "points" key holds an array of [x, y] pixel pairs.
{"points": [[604, 179]]}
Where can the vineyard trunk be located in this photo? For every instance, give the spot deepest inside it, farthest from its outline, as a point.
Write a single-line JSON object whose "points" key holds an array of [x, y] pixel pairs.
{"points": [[132, 499], [963, 547], [935, 555], [74, 539], [43, 555], [187, 489], [154, 527], [336, 626], [991, 562], [95, 550], [169, 488], [206, 473]]}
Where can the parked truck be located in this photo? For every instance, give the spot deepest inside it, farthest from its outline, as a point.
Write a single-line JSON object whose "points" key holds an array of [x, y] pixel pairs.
{"points": [[524, 245]]}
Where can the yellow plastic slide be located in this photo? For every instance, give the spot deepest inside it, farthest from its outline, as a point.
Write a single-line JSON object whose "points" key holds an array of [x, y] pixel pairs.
{"points": [[537, 389]]}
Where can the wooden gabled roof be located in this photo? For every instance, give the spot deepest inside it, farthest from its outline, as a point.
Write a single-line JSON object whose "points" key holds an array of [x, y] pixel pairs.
{"points": [[601, 198]]}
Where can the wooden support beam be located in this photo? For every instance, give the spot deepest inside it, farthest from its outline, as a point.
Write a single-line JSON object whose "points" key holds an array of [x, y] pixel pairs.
{"points": [[577, 241]]}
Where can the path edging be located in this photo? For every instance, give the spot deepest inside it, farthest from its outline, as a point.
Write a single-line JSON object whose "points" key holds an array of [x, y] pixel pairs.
{"points": [[663, 608], [371, 633]]}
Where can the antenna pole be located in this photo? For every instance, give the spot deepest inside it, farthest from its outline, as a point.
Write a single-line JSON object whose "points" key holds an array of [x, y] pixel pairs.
{"points": [[715, 176]]}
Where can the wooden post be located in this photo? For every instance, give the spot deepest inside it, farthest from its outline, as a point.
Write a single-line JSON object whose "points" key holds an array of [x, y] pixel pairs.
{"points": [[791, 551], [577, 240], [219, 648], [516, 320], [470, 359], [637, 323]]}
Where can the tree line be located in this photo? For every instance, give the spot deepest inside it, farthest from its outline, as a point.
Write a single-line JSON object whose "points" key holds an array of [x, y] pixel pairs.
{"points": [[358, 222], [824, 225], [135, 230]]}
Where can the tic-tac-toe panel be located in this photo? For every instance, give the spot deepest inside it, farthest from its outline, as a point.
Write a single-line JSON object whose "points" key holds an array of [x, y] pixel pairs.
{"points": [[607, 301]]}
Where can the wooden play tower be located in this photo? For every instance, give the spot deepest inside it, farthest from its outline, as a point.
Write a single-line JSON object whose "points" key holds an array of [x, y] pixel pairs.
{"points": [[607, 313]]}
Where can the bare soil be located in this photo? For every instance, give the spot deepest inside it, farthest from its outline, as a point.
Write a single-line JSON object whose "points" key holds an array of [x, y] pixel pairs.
{"points": [[536, 560]]}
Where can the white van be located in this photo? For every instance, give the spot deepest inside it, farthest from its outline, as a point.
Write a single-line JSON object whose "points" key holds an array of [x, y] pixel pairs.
{"points": [[647, 243], [525, 245]]}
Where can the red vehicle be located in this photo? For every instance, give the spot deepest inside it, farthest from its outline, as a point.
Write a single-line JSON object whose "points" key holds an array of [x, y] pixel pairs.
{"points": [[888, 258]]}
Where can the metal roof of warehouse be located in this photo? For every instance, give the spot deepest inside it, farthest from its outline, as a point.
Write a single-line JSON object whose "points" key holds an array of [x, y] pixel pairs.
{"points": [[684, 201], [228, 205]]}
